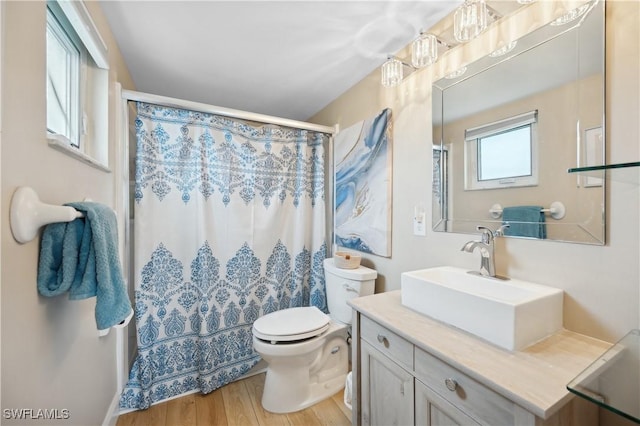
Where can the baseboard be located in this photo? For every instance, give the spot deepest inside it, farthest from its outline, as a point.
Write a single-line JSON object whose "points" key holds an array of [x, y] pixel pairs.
{"points": [[131, 410], [112, 413]]}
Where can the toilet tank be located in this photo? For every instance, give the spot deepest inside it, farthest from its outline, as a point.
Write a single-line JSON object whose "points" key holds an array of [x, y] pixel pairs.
{"points": [[343, 285]]}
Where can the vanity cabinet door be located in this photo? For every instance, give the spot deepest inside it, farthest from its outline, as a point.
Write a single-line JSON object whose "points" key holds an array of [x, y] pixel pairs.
{"points": [[386, 389], [433, 410]]}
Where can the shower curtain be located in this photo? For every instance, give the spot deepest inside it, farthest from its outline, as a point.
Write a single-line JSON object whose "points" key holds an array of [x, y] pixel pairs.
{"points": [[229, 226]]}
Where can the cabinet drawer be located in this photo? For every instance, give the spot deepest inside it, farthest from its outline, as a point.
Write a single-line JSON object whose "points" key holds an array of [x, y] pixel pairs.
{"points": [[387, 342], [473, 398]]}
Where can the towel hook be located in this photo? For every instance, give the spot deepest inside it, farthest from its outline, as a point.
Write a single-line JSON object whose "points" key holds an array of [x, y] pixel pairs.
{"points": [[28, 214]]}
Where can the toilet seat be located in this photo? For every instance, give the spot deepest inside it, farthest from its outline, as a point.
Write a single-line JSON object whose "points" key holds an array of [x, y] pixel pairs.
{"points": [[291, 324]]}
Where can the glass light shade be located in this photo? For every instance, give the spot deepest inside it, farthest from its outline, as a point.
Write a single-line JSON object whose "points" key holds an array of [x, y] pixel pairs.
{"points": [[392, 72], [424, 50], [504, 49], [469, 20], [525, 1], [457, 73], [571, 16]]}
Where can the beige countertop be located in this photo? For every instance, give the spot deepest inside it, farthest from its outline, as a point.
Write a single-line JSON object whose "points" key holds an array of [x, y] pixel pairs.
{"points": [[534, 378]]}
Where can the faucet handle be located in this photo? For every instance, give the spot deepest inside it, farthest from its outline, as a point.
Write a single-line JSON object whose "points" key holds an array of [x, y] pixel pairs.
{"points": [[500, 231], [487, 234]]}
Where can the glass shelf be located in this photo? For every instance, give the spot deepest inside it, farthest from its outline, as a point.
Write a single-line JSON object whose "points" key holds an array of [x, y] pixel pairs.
{"points": [[613, 380], [620, 172]]}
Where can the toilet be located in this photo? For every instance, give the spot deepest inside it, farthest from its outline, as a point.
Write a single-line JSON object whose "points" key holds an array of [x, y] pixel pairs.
{"points": [[306, 351]]}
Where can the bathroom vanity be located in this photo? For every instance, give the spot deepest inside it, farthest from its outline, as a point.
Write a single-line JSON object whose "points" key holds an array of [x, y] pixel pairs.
{"points": [[410, 369]]}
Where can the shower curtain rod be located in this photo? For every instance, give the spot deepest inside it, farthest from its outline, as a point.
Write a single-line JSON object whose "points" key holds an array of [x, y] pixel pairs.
{"points": [[131, 95]]}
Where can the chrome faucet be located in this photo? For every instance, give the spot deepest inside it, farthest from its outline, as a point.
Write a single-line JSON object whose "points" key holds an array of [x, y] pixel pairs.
{"points": [[486, 246]]}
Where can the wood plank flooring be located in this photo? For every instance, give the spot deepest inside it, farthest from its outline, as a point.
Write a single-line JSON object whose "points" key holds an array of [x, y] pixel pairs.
{"points": [[236, 404]]}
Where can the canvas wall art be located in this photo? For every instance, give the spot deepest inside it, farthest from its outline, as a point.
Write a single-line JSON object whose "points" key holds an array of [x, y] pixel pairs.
{"points": [[362, 159]]}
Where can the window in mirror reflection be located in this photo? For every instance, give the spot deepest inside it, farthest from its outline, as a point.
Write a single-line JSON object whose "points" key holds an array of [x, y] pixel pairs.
{"points": [[502, 154], [514, 144]]}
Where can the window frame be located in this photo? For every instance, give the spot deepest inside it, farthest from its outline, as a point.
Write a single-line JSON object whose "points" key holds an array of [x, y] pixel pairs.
{"points": [[76, 79], [93, 85], [474, 135]]}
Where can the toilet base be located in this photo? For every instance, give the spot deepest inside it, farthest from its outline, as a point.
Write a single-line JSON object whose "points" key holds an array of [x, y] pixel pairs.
{"points": [[295, 383], [284, 402]]}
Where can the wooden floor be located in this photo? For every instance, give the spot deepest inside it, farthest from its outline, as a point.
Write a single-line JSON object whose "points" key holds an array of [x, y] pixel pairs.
{"points": [[238, 404]]}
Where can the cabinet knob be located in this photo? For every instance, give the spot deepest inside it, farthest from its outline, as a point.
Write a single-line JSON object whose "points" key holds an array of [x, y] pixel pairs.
{"points": [[382, 339], [451, 384]]}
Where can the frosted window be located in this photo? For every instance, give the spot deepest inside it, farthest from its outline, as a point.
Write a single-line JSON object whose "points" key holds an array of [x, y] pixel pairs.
{"points": [[505, 155]]}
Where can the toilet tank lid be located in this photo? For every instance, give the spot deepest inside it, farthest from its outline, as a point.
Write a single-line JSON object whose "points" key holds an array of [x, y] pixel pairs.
{"points": [[361, 273]]}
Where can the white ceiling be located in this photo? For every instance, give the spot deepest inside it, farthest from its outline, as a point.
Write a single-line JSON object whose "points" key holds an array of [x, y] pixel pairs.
{"points": [[283, 58]]}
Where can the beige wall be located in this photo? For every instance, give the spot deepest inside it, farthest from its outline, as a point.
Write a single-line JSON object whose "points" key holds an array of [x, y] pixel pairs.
{"points": [[51, 355], [601, 283]]}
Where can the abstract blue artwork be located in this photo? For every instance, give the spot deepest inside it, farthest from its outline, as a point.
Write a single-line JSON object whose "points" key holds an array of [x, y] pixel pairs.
{"points": [[362, 158]]}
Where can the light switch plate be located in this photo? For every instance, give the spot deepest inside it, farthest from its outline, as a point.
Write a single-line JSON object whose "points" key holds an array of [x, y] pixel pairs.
{"points": [[419, 227]]}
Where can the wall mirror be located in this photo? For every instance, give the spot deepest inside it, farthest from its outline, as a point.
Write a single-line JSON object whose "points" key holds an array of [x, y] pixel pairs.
{"points": [[506, 131]]}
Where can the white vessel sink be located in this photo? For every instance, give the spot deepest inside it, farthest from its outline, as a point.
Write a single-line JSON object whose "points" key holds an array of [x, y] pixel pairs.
{"points": [[512, 314]]}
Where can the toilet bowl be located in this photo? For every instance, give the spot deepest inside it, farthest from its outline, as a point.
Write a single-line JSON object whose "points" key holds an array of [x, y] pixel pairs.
{"points": [[306, 351]]}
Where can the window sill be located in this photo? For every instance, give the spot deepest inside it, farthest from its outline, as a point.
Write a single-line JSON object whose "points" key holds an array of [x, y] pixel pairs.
{"points": [[59, 145]]}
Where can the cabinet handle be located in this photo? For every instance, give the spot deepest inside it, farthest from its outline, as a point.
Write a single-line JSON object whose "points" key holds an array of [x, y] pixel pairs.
{"points": [[451, 384], [382, 339]]}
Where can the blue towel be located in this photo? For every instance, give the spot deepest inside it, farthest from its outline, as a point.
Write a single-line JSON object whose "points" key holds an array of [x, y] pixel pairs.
{"points": [[524, 221], [81, 257]]}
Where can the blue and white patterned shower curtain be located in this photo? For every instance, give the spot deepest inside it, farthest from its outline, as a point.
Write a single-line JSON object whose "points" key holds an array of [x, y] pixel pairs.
{"points": [[229, 226]]}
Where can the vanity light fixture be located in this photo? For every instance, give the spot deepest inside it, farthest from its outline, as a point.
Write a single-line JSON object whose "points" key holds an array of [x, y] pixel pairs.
{"points": [[424, 50], [504, 49], [572, 15], [526, 1], [469, 20]]}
